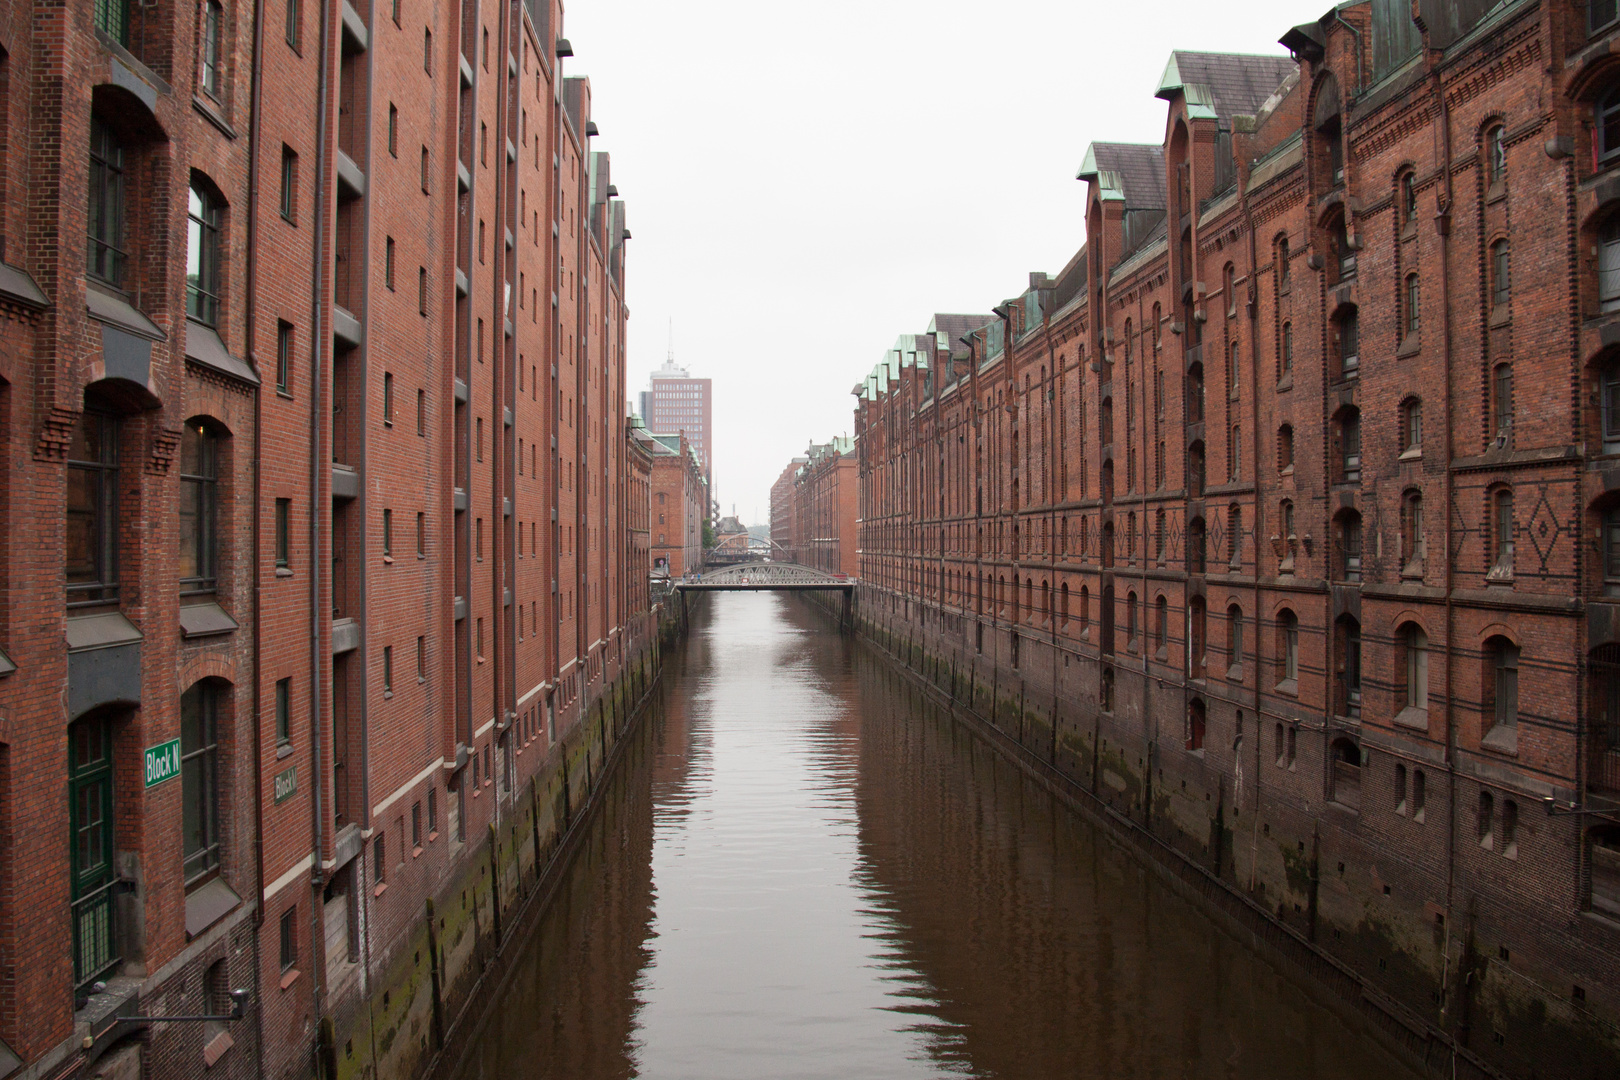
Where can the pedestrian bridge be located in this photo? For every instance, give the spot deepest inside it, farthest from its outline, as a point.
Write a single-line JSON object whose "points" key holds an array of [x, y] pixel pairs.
{"points": [[763, 576]]}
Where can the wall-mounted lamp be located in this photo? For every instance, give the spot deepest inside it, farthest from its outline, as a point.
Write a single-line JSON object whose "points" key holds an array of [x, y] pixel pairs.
{"points": [[563, 48]]}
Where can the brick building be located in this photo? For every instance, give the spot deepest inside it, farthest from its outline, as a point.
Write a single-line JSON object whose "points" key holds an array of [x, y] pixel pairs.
{"points": [[826, 496], [315, 533], [1163, 518], [680, 499], [782, 499]]}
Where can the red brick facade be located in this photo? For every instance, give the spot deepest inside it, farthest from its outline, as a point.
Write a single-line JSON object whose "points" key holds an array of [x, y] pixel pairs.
{"points": [[679, 498], [826, 497], [409, 610], [1280, 519]]}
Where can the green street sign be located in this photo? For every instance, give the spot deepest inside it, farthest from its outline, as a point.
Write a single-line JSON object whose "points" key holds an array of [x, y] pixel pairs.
{"points": [[162, 762], [286, 784]]}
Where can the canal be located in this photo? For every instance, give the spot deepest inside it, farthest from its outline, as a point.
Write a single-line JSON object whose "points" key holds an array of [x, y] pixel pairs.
{"points": [[801, 868]]}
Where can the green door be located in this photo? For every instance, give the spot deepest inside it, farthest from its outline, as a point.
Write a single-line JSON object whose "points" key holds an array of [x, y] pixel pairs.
{"points": [[90, 791]]}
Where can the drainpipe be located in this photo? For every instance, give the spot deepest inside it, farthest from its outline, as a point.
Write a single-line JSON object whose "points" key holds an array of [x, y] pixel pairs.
{"points": [[1443, 228], [254, 129], [1258, 444], [318, 346]]}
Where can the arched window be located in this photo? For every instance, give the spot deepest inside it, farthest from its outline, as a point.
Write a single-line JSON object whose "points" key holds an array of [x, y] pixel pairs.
{"points": [[1348, 431], [1347, 342], [1412, 535], [1285, 449], [1229, 290], [1130, 619], [1197, 637], [1495, 155], [1195, 470], [1502, 403], [1344, 251], [1609, 263], [1502, 533], [1234, 366], [1413, 314], [1195, 394], [204, 214], [1348, 528], [199, 770], [1234, 536], [1085, 610], [1409, 207], [199, 508], [1400, 789], [1485, 820], [1234, 454], [1063, 605], [1197, 720], [1234, 640], [1197, 546], [105, 252], [1346, 778], [1105, 694], [1411, 433], [1287, 646], [1161, 624], [1501, 685], [1501, 276], [1608, 380], [1287, 538], [1286, 358], [1283, 268], [1347, 666], [92, 509], [1413, 671]]}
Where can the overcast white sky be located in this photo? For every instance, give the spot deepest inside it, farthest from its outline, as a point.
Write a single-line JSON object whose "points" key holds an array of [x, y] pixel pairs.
{"points": [[806, 182]]}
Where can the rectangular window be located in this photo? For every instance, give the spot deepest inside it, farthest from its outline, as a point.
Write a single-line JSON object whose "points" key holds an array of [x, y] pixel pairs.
{"points": [[379, 860], [416, 825], [427, 51], [421, 659], [421, 290], [283, 534], [388, 532], [480, 641], [289, 938], [393, 130], [1600, 13], [388, 669], [421, 412], [478, 539], [199, 779], [213, 81], [421, 534], [283, 711], [388, 264], [433, 810], [480, 442], [284, 357], [199, 482], [92, 511], [1507, 685], [289, 184], [105, 252], [424, 170]]}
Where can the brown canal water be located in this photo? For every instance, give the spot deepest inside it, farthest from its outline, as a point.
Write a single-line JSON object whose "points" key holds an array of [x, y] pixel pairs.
{"points": [[802, 868]]}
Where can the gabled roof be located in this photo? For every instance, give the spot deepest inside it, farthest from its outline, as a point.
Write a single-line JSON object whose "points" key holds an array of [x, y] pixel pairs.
{"points": [[1130, 172], [1222, 85]]}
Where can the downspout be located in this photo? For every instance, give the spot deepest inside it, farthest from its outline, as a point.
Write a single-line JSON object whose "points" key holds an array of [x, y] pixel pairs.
{"points": [[317, 346], [1258, 444], [1443, 228], [254, 129]]}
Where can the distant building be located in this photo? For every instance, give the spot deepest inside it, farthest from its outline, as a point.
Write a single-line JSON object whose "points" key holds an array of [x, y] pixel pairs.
{"points": [[680, 498], [681, 405], [826, 500], [782, 510]]}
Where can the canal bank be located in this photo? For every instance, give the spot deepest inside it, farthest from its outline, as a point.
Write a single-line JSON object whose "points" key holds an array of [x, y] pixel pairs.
{"points": [[423, 1002], [805, 866], [1182, 782]]}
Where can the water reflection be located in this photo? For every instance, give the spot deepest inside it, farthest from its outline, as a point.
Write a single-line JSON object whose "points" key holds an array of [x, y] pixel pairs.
{"points": [[805, 871]]}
